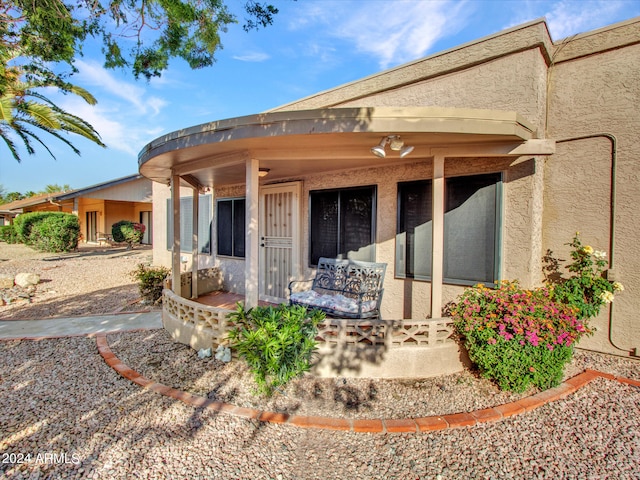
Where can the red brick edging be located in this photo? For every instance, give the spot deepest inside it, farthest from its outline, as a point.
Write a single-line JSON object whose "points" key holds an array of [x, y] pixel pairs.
{"points": [[406, 425]]}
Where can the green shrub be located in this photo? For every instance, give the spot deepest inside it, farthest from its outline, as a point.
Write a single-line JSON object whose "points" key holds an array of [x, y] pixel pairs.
{"points": [[517, 337], [8, 234], [277, 343], [127, 231], [23, 224], [150, 282], [57, 232], [586, 290]]}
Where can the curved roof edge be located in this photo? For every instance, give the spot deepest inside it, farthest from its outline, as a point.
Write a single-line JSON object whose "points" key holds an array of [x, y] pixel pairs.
{"points": [[340, 120]]}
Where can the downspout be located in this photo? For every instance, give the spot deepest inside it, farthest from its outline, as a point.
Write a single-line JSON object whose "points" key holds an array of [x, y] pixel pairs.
{"points": [[59, 205], [612, 217]]}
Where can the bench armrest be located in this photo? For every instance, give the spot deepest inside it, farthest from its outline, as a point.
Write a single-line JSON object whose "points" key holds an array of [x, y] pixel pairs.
{"points": [[300, 285]]}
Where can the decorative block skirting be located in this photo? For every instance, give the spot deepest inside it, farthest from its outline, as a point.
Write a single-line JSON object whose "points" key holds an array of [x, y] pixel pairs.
{"points": [[347, 347]]}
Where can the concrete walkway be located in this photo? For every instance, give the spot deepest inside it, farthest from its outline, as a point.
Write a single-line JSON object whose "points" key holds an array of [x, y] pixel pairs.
{"points": [[73, 326]]}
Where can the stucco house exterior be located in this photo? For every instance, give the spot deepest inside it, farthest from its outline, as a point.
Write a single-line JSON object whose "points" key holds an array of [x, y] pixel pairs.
{"points": [[98, 206], [518, 143]]}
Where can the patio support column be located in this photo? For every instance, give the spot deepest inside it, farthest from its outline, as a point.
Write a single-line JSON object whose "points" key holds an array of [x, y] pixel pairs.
{"points": [[437, 255], [175, 250], [251, 278], [195, 255]]}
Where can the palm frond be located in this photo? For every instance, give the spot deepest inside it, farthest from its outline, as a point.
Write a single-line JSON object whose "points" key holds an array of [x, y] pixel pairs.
{"points": [[7, 103], [10, 145], [24, 134], [77, 125], [82, 93], [21, 104], [42, 114], [55, 133]]}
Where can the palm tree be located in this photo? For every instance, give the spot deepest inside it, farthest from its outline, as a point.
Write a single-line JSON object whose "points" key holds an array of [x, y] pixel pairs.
{"points": [[55, 188], [23, 107]]}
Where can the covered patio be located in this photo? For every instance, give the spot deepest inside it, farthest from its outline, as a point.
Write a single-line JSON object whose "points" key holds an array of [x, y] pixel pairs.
{"points": [[272, 148], [274, 152]]}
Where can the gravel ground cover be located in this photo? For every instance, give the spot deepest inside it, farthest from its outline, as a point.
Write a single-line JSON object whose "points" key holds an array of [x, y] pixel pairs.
{"points": [[157, 357], [58, 397], [93, 280]]}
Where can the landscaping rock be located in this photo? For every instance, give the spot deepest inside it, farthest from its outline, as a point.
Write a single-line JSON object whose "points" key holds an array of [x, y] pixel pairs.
{"points": [[6, 281], [27, 279]]}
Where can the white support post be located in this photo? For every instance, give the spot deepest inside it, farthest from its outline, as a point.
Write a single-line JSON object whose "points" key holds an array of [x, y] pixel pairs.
{"points": [[437, 217], [251, 277], [175, 251], [195, 255]]}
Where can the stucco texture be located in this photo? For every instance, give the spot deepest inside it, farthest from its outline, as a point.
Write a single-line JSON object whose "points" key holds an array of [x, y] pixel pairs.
{"points": [[589, 96]]}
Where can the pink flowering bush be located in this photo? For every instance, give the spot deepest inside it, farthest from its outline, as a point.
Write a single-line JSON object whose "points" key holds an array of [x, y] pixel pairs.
{"points": [[517, 337]]}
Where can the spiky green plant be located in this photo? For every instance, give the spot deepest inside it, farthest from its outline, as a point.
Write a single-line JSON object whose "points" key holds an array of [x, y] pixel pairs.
{"points": [[276, 342]]}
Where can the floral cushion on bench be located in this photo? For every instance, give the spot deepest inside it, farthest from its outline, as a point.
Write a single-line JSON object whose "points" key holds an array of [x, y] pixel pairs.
{"points": [[337, 303]]}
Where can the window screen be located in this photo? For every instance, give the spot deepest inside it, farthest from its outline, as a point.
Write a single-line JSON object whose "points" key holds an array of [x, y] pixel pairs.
{"points": [[413, 238], [231, 227], [471, 226], [186, 224], [342, 224]]}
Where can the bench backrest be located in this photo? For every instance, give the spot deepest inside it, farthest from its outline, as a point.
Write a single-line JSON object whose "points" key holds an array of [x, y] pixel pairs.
{"points": [[350, 276], [366, 277], [331, 274]]}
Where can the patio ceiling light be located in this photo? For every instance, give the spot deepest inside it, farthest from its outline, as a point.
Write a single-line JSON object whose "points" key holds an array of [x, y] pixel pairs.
{"points": [[263, 172], [395, 144]]}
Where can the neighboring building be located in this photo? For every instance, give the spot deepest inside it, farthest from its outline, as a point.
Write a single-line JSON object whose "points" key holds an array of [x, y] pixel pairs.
{"points": [[98, 207], [519, 142]]}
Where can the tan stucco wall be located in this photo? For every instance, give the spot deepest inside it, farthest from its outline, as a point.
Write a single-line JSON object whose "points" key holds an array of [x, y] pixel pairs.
{"points": [[497, 85], [139, 190], [591, 95]]}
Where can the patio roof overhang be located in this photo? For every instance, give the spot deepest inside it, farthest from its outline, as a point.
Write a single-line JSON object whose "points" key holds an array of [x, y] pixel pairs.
{"points": [[296, 143]]}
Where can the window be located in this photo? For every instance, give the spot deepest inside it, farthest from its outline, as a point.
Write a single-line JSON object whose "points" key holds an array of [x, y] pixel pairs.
{"points": [[186, 225], [342, 224], [231, 227], [471, 227]]}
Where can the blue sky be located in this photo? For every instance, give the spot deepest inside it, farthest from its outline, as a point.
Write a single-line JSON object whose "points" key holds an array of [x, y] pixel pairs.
{"points": [[314, 45]]}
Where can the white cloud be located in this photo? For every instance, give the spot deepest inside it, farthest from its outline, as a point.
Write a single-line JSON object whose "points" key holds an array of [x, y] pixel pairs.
{"points": [[126, 114], [397, 31], [120, 130], [92, 73], [569, 17], [252, 57]]}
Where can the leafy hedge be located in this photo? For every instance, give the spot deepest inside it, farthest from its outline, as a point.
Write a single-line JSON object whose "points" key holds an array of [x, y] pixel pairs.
{"points": [[8, 234], [25, 222], [56, 233], [517, 337], [48, 231]]}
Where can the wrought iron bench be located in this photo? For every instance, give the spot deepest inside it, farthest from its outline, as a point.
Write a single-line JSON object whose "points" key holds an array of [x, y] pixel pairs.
{"points": [[342, 288]]}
